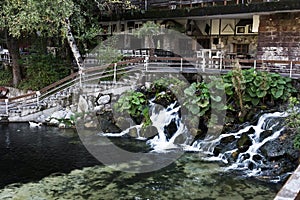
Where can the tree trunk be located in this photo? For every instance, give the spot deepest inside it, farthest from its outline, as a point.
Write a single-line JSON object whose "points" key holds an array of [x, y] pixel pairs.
{"points": [[13, 48], [73, 45]]}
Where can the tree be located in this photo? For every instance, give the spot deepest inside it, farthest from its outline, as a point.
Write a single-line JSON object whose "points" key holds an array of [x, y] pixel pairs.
{"points": [[31, 17], [147, 31]]}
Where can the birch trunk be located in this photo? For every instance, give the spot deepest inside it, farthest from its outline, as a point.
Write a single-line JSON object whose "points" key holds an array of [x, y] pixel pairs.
{"points": [[73, 46]]}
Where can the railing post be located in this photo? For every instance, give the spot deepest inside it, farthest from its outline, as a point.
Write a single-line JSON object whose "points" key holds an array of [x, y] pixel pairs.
{"points": [[254, 64], [203, 64], [6, 106], [115, 73], [181, 63], [38, 94], [146, 61], [221, 62], [291, 69]]}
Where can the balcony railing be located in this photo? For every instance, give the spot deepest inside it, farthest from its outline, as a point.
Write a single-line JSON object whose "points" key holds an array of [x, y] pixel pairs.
{"points": [[171, 4]]}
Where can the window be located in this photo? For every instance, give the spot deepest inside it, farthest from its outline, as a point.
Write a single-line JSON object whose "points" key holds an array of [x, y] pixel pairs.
{"points": [[241, 48]]}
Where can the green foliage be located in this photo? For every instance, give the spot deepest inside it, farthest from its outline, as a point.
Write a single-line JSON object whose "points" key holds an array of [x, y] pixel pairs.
{"points": [[168, 83], [148, 29], [197, 98], [201, 97], [297, 140], [217, 89], [107, 51], [5, 77], [42, 70], [293, 120], [135, 104], [256, 87], [21, 17]]}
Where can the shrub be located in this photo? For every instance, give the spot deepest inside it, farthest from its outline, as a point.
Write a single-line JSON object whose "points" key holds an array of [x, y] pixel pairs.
{"points": [[259, 87], [135, 104], [5, 77], [42, 70]]}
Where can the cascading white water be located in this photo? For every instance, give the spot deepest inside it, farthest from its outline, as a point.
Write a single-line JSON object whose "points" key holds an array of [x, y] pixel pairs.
{"points": [[249, 159], [160, 120], [160, 117], [245, 160]]}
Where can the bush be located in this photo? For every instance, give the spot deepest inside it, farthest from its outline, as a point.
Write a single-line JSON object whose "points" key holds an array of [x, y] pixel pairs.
{"points": [[5, 77], [42, 70], [293, 120], [259, 87]]}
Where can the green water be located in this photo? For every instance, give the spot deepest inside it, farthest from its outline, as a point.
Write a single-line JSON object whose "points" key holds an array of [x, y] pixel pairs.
{"points": [[187, 178], [28, 156]]}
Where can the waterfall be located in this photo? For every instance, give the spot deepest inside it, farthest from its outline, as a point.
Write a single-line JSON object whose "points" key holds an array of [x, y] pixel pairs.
{"points": [[251, 160], [161, 118], [245, 150]]}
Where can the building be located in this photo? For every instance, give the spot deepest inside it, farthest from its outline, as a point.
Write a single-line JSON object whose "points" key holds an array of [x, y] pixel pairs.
{"points": [[260, 29]]}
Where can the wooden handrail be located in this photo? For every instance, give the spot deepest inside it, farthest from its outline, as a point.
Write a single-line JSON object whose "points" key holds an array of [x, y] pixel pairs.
{"points": [[57, 83], [140, 59], [21, 96]]}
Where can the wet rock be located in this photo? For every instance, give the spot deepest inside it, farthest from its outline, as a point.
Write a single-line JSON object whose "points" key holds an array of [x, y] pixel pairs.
{"points": [[165, 98], [123, 123], [180, 139], [61, 125], [280, 154], [53, 121], [107, 123], [133, 132], [265, 134], [227, 140], [244, 142], [171, 129], [59, 114], [149, 132], [197, 134], [226, 144]]}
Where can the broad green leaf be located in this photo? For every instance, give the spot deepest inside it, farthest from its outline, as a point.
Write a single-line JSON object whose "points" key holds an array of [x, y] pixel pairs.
{"points": [[217, 98], [255, 102], [261, 93]]}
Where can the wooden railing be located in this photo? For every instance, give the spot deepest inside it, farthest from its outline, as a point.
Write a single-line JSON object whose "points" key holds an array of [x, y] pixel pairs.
{"points": [[223, 65], [158, 64], [33, 98]]}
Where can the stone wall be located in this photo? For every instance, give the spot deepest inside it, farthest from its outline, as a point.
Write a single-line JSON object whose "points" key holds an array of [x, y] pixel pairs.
{"points": [[279, 37]]}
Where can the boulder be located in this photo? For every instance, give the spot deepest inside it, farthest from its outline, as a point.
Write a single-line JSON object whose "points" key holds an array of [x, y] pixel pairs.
{"points": [[82, 105], [149, 132], [53, 121], [133, 132], [244, 142], [59, 114], [101, 100], [123, 123], [69, 115]]}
